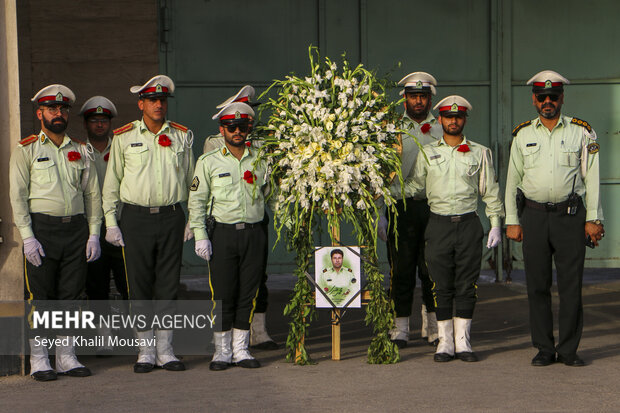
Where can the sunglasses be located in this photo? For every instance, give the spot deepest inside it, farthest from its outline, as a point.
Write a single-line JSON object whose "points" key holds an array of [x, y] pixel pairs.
{"points": [[243, 128], [542, 98]]}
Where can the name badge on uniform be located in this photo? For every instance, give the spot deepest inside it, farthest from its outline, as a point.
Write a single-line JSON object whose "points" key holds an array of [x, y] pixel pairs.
{"points": [[530, 144], [43, 159], [435, 157], [133, 145], [223, 175]]}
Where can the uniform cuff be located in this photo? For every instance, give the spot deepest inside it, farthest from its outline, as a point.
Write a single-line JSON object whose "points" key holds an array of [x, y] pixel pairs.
{"points": [[110, 221], [495, 221], [592, 216], [200, 234], [26, 232], [94, 229], [512, 220]]}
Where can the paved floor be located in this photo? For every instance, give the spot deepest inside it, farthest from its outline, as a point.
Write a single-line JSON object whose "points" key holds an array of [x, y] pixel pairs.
{"points": [[503, 381]]}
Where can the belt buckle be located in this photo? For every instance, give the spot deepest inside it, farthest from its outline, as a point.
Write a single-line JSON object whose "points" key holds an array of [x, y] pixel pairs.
{"points": [[240, 226], [455, 218], [65, 220], [154, 210], [550, 206]]}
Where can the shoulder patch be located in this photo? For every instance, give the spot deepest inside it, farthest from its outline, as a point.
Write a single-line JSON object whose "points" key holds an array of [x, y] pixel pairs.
{"points": [[123, 129], [593, 148], [195, 184], [582, 123], [178, 126], [28, 140], [520, 126]]}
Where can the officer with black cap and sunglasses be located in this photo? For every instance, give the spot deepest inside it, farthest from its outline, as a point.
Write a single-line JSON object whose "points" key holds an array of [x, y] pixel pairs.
{"points": [[229, 185], [553, 205]]}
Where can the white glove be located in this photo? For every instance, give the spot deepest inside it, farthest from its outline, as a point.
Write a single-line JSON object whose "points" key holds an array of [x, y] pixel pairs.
{"points": [[93, 249], [495, 237], [203, 249], [189, 234], [114, 236], [33, 250], [382, 228]]}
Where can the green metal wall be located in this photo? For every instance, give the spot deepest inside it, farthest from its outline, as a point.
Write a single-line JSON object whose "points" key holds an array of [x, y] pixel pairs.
{"points": [[484, 50]]}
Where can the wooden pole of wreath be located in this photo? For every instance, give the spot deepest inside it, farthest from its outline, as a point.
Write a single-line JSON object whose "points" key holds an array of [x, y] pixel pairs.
{"points": [[336, 311]]}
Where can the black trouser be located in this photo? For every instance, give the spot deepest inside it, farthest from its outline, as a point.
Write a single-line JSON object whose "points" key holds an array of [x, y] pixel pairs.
{"points": [[236, 268], [547, 234], [62, 274], [153, 253], [453, 255], [409, 256], [98, 280]]}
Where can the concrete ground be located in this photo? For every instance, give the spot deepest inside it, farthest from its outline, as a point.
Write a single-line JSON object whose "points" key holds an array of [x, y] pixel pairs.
{"points": [[503, 380]]}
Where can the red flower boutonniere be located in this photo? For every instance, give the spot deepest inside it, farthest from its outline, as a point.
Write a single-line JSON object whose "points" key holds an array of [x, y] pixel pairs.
{"points": [[106, 157], [164, 140], [463, 148], [249, 177], [74, 156], [248, 143], [425, 128]]}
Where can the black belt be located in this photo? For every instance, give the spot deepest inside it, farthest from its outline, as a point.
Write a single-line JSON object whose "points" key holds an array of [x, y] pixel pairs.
{"points": [[547, 206], [453, 218], [56, 220], [239, 225], [152, 210]]}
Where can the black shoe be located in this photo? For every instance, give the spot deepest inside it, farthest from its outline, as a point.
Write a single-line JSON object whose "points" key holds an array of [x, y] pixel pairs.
{"points": [[174, 366], [143, 367], [573, 361], [468, 356], [543, 359], [218, 365], [248, 364], [77, 372], [266, 345], [46, 375], [433, 343], [400, 343], [443, 357]]}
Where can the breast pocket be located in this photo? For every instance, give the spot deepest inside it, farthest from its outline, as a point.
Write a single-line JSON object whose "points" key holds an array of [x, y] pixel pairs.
{"points": [[75, 170], [530, 156], [570, 155], [135, 158], [436, 165], [43, 172], [222, 188], [468, 165]]}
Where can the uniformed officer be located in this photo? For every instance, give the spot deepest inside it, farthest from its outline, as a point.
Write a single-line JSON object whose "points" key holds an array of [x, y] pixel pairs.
{"points": [[98, 112], [408, 256], [337, 281], [228, 184], [57, 209], [259, 338], [149, 172], [554, 166], [457, 171]]}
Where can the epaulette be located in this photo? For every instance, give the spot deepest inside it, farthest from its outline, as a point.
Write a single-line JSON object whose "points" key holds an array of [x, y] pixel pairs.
{"points": [[582, 123], [178, 126], [123, 129], [520, 126], [28, 140]]}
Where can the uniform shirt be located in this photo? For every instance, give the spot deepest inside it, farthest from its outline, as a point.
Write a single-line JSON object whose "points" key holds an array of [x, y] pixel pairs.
{"points": [[543, 164], [453, 180], [44, 180], [220, 176], [337, 284], [410, 148], [142, 172], [100, 160]]}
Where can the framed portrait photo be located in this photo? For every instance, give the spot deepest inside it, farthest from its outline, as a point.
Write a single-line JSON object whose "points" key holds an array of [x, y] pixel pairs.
{"points": [[337, 274]]}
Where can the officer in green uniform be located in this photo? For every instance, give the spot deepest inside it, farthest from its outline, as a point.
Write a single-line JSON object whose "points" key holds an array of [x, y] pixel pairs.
{"points": [[228, 184], [98, 112], [259, 338], [408, 256], [457, 171], [57, 209], [338, 280], [149, 172], [554, 166]]}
